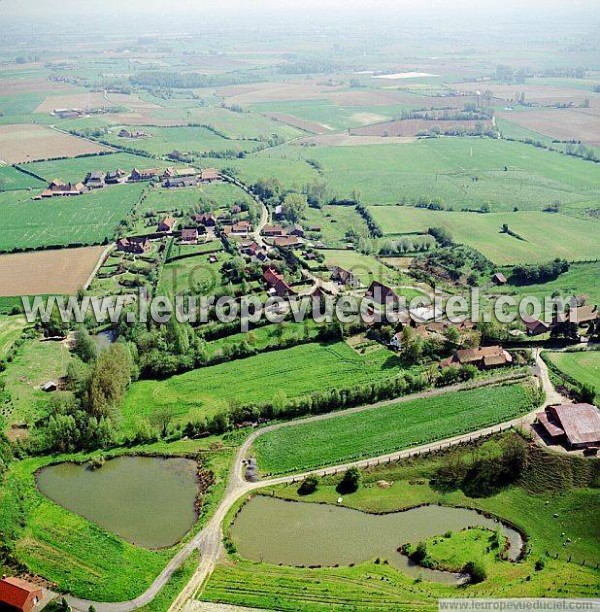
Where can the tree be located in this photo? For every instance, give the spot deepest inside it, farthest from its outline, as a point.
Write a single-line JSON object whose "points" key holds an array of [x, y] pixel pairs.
{"points": [[294, 206], [162, 418], [85, 347], [419, 554], [109, 379], [309, 485], [476, 571], [350, 482], [442, 236]]}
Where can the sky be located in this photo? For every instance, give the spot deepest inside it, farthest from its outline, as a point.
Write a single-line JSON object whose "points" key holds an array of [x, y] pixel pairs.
{"points": [[38, 7]]}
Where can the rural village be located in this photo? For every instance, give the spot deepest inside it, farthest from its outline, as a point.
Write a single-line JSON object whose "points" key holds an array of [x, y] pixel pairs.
{"points": [[387, 463]]}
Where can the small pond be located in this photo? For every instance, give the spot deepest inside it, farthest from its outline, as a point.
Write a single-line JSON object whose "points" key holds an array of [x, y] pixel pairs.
{"points": [[105, 338], [147, 501], [298, 533]]}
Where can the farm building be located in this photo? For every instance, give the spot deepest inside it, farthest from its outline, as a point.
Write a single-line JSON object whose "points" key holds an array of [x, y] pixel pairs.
{"points": [[210, 174], [381, 294], [115, 177], [167, 224], [344, 277], [286, 241], [144, 175], [179, 172], [17, 594], [135, 246], [276, 283], [180, 181], [133, 135], [95, 180], [273, 230], [534, 326], [58, 188], [206, 220], [241, 227], [49, 386], [189, 236], [499, 279], [483, 357], [574, 425], [298, 230]]}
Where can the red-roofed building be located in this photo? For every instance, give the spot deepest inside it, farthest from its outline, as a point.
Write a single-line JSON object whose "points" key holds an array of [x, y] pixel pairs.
{"points": [[277, 283], [167, 224], [484, 357], [17, 594]]}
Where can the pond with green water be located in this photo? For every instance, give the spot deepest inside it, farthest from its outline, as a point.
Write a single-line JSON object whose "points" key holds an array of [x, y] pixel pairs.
{"points": [[147, 501], [277, 531]]}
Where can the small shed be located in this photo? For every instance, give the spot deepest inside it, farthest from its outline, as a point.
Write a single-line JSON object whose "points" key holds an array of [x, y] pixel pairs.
{"points": [[49, 386]]}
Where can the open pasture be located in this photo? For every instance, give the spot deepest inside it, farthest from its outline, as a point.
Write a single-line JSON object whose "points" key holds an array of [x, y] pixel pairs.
{"points": [[79, 220], [28, 142], [582, 366], [288, 373], [47, 272], [12, 179], [83, 101], [414, 127], [544, 235], [10, 329], [193, 140], [463, 172]]}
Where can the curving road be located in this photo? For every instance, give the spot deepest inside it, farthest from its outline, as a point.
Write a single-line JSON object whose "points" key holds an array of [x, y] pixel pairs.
{"points": [[209, 542]]}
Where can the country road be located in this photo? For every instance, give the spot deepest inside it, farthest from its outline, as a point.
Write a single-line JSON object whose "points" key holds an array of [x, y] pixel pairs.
{"points": [[208, 542]]}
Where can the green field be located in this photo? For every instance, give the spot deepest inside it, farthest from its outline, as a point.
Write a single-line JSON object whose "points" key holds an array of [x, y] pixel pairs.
{"points": [[582, 278], [335, 222], [35, 363], [86, 219], [386, 429], [464, 172], [583, 366], [12, 179], [296, 371], [548, 518], [545, 235], [193, 140]]}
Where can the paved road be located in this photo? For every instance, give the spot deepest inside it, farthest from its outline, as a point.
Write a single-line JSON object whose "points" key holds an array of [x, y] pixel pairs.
{"points": [[208, 542]]}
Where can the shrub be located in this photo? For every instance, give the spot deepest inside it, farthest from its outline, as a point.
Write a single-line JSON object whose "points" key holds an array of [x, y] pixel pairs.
{"points": [[476, 571], [309, 485], [350, 482]]}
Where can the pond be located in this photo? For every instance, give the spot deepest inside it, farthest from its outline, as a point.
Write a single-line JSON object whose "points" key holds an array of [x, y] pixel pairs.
{"points": [[277, 531], [147, 501]]}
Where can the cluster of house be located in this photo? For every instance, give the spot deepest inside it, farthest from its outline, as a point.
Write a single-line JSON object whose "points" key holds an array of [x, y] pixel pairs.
{"points": [[171, 178], [579, 315], [575, 426], [282, 237]]}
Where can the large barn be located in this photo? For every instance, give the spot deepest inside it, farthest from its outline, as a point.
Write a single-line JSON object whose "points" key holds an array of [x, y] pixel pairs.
{"points": [[577, 426]]}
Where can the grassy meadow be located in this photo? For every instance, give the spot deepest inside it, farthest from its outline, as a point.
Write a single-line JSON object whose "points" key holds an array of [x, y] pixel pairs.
{"points": [[10, 330], [582, 366], [386, 429], [294, 372], [86, 219], [464, 172], [544, 235]]}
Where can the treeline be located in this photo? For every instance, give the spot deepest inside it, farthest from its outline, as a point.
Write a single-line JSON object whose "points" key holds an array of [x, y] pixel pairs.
{"points": [[157, 79], [529, 274], [374, 228], [312, 66]]}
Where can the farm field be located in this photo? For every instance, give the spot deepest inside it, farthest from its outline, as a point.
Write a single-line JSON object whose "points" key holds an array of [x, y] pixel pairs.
{"points": [[85, 101], [12, 179], [47, 272], [296, 372], [571, 238], [463, 172], [583, 366], [538, 504], [90, 218], [23, 143], [193, 140], [74, 170], [385, 429], [414, 127], [562, 124]]}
